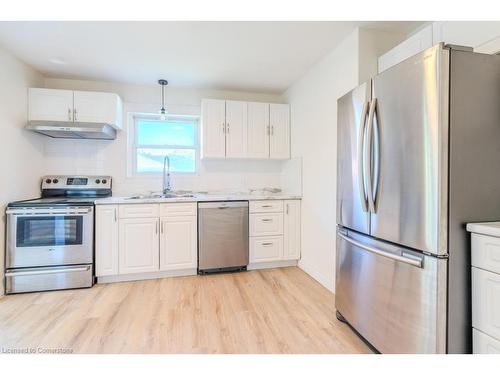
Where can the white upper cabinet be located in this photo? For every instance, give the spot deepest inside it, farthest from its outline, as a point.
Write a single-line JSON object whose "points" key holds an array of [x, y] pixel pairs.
{"points": [[483, 37], [416, 43], [50, 105], [75, 106], [245, 130], [97, 107], [478, 35], [213, 124], [236, 129], [279, 122], [258, 130]]}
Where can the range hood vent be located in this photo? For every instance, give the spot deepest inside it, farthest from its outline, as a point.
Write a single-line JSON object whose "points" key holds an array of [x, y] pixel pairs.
{"points": [[80, 130]]}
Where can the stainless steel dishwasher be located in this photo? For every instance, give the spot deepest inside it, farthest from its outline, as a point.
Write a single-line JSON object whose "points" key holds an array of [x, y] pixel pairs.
{"points": [[222, 236]]}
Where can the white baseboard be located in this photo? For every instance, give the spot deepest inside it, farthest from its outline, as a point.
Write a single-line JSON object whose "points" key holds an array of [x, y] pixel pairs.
{"points": [[316, 275], [276, 264], [145, 276]]}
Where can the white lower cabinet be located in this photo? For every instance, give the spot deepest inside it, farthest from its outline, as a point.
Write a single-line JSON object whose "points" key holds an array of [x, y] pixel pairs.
{"points": [[178, 243], [485, 287], [139, 245], [291, 230], [484, 344], [158, 240], [106, 240], [274, 232], [155, 240]]}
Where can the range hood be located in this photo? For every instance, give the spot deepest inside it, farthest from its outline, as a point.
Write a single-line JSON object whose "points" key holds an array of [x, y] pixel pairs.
{"points": [[73, 130]]}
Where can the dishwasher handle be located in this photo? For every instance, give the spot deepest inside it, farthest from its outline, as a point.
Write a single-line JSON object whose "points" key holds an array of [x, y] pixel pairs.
{"points": [[223, 205]]}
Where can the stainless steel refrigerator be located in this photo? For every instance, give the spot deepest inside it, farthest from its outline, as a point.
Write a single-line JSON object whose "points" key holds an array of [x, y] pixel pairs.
{"points": [[418, 158]]}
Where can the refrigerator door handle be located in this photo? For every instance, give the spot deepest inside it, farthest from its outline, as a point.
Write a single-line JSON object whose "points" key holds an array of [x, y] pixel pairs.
{"points": [[361, 157], [369, 157], [413, 261], [376, 162]]}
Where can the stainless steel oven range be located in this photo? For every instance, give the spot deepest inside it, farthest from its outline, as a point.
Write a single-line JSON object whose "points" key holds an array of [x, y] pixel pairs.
{"points": [[50, 240]]}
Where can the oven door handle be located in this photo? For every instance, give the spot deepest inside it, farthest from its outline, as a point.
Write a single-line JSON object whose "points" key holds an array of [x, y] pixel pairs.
{"points": [[44, 211], [46, 272]]}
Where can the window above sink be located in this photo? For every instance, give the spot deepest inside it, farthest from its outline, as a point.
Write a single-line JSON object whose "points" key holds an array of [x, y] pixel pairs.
{"points": [[153, 138]]}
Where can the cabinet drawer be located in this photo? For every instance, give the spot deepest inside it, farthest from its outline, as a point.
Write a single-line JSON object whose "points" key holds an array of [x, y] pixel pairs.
{"points": [[265, 206], [265, 249], [484, 344], [266, 224], [486, 302], [486, 252], [138, 210], [178, 209]]}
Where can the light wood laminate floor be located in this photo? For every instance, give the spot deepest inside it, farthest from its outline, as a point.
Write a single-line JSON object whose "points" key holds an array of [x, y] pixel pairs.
{"points": [[265, 311]]}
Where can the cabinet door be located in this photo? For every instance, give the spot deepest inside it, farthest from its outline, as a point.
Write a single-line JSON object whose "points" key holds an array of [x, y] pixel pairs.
{"points": [[258, 130], [291, 230], [486, 302], [236, 129], [178, 248], [213, 118], [139, 245], [279, 121], [96, 107], [50, 105], [106, 240]]}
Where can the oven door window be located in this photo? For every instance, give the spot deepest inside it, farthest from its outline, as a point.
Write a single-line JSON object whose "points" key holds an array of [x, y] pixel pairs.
{"points": [[37, 231]]}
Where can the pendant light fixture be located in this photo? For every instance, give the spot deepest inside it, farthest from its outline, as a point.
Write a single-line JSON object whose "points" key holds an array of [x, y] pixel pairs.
{"points": [[163, 111]]}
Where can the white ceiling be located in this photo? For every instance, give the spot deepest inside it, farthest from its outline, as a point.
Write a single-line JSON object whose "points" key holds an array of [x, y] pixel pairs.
{"points": [[246, 56]]}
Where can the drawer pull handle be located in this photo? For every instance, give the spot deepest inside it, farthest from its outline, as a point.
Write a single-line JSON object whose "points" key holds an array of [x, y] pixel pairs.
{"points": [[267, 244], [267, 206], [267, 220]]}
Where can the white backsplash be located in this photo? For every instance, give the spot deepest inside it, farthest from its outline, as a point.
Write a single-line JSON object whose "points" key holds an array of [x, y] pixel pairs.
{"points": [[93, 157]]}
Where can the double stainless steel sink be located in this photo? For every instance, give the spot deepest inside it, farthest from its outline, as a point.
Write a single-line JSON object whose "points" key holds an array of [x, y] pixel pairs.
{"points": [[173, 194]]}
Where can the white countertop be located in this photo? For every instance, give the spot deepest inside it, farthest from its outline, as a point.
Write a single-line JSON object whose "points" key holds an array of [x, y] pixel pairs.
{"points": [[489, 229], [198, 197]]}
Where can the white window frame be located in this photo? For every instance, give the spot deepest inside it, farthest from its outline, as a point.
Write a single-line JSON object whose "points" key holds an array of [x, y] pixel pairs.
{"points": [[170, 117]]}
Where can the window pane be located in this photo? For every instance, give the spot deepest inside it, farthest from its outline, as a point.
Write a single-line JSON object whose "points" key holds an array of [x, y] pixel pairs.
{"points": [[172, 133], [150, 160]]}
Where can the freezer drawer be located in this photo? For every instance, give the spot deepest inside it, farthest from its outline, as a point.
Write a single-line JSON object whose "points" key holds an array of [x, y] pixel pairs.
{"points": [[394, 297], [48, 278]]}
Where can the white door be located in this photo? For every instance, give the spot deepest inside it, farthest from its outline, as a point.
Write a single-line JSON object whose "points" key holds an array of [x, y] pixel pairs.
{"points": [[279, 121], [291, 230], [50, 105], [258, 130], [96, 107], [178, 249], [106, 240], [213, 119], [139, 245], [236, 129]]}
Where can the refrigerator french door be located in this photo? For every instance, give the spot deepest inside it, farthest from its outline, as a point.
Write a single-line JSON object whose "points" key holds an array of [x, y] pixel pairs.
{"points": [[392, 206]]}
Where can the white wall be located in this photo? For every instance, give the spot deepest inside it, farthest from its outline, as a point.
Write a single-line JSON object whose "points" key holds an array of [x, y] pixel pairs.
{"points": [[110, 157], [20, 151], [313, 100]]}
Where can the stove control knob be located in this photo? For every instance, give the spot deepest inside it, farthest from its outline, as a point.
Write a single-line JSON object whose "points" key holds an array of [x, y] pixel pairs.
{"points": [[104, 181], [55, 180], [97, 181], [48, 180]]}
